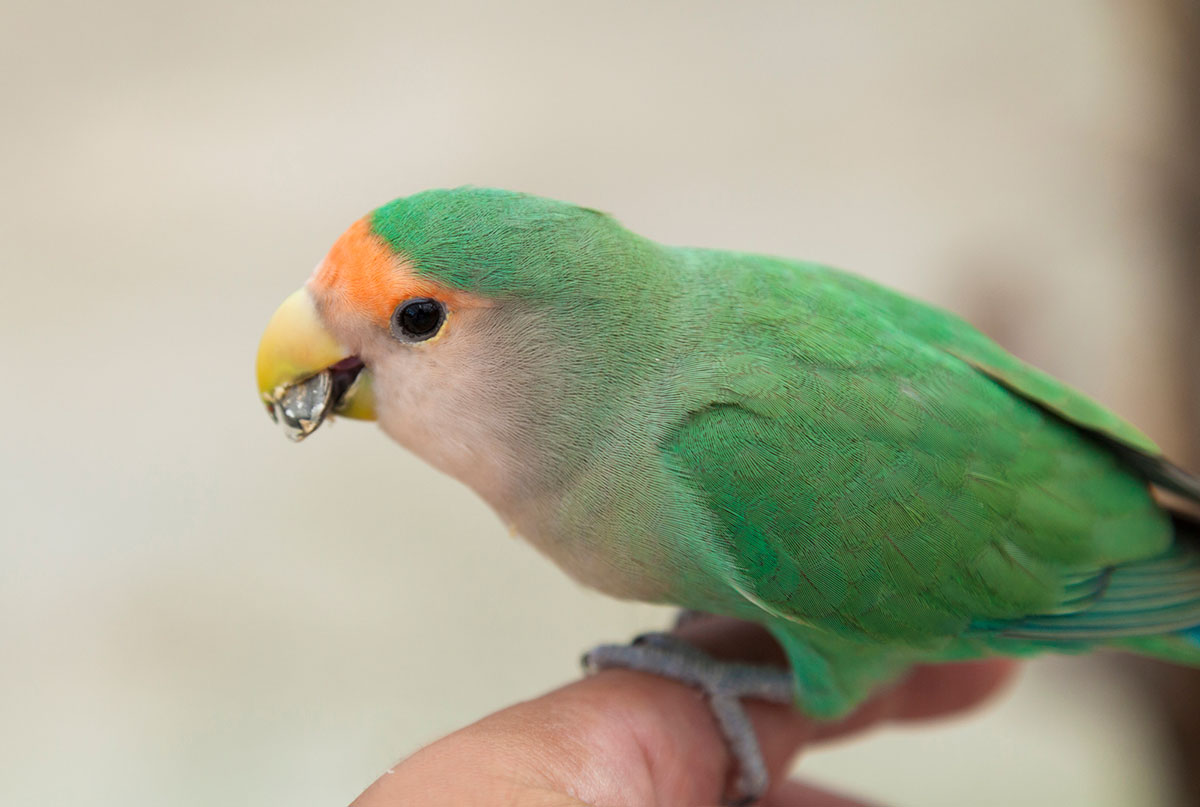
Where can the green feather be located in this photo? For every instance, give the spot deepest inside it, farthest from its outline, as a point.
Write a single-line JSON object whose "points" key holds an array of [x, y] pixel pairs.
{"points": [[870, 477]]}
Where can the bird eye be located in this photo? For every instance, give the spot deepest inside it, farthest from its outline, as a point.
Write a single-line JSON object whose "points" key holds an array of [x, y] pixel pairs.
{"points": [[418, 319]]}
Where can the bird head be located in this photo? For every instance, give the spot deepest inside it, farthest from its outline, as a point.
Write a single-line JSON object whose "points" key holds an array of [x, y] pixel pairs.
{"points": [[477, 326]]}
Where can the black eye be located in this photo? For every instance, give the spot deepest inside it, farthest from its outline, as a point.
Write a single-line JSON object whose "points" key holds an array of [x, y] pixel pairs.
{"points": [[417, 319]]}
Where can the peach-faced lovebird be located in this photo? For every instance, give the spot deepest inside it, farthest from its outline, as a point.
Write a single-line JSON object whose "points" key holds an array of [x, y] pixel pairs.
{"points": [[868, 477]]}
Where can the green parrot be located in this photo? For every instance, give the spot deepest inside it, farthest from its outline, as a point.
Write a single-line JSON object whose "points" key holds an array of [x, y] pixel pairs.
{"points": [[868, 477]]}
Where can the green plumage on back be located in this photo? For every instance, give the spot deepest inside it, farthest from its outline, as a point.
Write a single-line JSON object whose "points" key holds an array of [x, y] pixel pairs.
{"points": [[869, 477]]}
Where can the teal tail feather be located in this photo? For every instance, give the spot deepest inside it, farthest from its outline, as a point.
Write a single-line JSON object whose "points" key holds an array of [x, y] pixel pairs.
{"points": [[1150, 607], [1180, 647]]}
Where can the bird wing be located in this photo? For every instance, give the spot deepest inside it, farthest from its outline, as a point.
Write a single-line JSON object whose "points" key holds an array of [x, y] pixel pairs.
{"points": [[878, 471], [1126, 441]]}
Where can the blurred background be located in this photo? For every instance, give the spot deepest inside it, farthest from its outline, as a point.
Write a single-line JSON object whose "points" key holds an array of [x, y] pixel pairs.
{"points": [[194, 611]]}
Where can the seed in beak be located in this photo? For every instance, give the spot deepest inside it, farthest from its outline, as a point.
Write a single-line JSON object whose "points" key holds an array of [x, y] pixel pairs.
{"points": [[301, 408]]}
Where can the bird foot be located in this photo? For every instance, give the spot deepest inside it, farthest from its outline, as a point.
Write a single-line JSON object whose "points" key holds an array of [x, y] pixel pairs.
{"points": [[724, 682]]}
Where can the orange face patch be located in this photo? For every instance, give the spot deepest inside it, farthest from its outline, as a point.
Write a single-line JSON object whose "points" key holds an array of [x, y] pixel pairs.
{"points": [[362, 275]]}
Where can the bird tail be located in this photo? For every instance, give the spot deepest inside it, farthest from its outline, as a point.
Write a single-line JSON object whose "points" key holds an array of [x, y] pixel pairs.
{"points": [[1180, 646], [1149, 607]]}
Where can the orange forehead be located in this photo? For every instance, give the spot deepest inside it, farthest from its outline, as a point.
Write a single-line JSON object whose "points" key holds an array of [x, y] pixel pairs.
{"points": [[363, 275]]}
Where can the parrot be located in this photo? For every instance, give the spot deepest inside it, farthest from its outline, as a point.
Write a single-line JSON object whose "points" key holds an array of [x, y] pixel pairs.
{"points": [[868, 477]]}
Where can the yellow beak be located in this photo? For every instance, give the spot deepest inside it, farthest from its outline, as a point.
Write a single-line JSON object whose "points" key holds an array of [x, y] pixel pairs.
{"points": [[296, 349]]}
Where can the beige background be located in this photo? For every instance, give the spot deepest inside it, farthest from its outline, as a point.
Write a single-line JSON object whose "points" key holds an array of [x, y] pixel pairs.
{"points": [[195, 612]]}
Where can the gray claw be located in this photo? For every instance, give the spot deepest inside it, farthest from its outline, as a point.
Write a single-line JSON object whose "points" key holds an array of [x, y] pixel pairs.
{"points": [[725, 683]]}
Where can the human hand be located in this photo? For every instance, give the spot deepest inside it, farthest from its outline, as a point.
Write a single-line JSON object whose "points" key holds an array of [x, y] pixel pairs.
{"points": [[629, 738]]}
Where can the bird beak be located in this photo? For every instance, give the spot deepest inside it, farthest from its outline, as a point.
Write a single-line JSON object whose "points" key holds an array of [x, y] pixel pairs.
{"points": [[305, 375]]}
